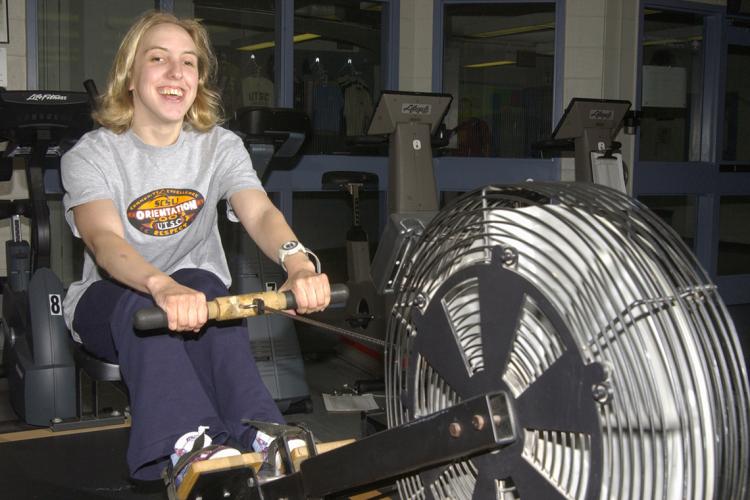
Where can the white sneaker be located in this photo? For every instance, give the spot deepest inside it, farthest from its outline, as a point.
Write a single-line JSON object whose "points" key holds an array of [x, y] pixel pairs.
{"points": [[262, 443], [194, 447]]}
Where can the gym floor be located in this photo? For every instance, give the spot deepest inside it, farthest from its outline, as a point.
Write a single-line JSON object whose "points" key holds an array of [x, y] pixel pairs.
{"points": [[88, 464]]}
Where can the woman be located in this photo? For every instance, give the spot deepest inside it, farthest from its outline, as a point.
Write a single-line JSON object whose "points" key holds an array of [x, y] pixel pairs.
{"points": [[142, 193]]}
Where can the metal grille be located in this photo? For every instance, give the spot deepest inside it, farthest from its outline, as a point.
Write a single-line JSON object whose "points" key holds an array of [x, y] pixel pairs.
{"points": [[593, 314]]}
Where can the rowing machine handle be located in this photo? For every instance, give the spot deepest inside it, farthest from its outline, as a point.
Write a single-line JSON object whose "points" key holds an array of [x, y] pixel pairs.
{"points": [[224, 308]]}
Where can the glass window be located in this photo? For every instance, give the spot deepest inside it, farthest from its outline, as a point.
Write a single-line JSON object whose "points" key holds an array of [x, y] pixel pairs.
{"points": [[337, 69], [498, 63], [737, 105], [734, 236], [338, 65], [679, 212], [78, 39], [672, 86], [242, 34]]}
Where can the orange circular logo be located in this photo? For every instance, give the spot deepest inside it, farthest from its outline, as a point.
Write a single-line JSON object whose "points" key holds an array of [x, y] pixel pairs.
{"points": [[165, 212]]}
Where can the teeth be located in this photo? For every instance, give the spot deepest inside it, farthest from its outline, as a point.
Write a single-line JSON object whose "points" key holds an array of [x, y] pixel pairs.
{"points": [[171, 91]]}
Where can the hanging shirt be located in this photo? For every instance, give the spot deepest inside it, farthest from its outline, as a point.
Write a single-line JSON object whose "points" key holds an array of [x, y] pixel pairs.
{"points": [[327, 103], [257, 91], [357, 109]]}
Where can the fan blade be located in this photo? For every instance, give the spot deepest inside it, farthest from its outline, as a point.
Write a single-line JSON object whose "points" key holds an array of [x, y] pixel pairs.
{"points": [[528, 480], [501, 308], [561, 399], [438, 347]]}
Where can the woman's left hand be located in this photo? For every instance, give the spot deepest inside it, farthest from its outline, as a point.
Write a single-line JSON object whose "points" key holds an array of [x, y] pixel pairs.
{"points": [[311, 290]]}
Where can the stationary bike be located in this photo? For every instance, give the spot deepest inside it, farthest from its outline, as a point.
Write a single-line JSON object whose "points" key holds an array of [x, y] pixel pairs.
{"points": [[37, 356], [410, 121]]}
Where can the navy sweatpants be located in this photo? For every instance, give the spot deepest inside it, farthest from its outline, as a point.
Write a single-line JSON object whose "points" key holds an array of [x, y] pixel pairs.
{"points": [[176, 381]]}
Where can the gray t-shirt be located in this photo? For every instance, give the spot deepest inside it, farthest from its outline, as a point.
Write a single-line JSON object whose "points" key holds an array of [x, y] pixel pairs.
{"points": [[166, 196]]}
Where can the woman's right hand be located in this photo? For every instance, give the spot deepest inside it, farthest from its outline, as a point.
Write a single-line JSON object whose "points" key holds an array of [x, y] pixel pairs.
{"points": [[186, 308]]}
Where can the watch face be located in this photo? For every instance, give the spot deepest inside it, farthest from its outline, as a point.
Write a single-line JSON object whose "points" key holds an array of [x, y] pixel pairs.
{"points": [[289, 245]]}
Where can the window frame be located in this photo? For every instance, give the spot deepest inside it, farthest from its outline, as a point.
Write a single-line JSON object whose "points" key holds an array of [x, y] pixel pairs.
{"points": [[735, 289], [702, 179]]}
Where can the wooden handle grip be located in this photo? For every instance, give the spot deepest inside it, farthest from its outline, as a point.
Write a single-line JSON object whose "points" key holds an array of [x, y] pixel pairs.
{"points": [[235, 306]]}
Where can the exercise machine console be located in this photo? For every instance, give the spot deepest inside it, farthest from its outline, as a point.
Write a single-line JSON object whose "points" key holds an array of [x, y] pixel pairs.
{"points": [[589, 127]]}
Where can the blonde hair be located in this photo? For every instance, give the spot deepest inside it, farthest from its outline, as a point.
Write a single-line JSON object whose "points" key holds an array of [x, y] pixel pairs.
{"points": [[115, 106]]}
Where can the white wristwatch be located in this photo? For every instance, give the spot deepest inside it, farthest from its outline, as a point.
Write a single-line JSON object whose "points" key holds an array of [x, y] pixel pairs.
{"points": [[292, 247]]}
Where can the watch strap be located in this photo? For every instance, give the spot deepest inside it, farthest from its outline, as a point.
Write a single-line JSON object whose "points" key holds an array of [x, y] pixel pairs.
{"points": [[292, 247]]}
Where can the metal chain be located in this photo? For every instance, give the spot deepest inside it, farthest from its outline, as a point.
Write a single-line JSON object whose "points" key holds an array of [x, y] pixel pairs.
{"points": [[325, 326]]}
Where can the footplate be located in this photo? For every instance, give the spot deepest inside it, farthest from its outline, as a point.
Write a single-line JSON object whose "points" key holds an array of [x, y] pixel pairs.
{"points": [[473, 426]]}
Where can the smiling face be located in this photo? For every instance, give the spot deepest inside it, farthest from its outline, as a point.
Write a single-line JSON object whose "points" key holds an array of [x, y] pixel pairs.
{"points": [[164, 80]]}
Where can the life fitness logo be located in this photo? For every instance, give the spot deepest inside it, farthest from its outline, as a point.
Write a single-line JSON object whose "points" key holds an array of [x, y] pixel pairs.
{"points": [[165, 212], [47, 97]]}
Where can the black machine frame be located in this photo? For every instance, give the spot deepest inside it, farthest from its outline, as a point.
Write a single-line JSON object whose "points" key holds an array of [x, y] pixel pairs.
{"points": [[39, 126], [480, 424]]}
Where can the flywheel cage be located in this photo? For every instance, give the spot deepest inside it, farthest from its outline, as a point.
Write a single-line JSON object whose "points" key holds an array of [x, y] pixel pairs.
{"points": [[544, 289]]}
